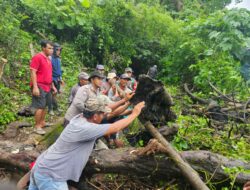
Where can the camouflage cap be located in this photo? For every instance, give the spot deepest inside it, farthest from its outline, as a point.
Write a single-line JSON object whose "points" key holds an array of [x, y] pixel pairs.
{"points": [[97, 105], [96, 74], [105, 99], [128, 69]]}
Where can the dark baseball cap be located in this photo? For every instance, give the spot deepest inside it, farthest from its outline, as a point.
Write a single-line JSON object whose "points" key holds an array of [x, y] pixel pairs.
{"points": [[100, 67], [125, 76]]}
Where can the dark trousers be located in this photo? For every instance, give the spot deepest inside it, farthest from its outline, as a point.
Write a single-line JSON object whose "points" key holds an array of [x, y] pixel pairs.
{"points": [[52, 102]]}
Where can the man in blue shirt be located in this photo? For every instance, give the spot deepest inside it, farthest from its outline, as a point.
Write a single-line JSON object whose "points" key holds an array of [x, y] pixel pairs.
{"points": [[57, 77]]}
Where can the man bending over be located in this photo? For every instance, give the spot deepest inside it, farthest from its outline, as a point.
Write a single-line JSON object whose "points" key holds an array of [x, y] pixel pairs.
{"points": [[67, 157]]}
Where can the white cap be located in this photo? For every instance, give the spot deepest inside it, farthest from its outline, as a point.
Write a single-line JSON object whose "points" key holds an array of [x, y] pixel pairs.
{"points": [[111, 75]]}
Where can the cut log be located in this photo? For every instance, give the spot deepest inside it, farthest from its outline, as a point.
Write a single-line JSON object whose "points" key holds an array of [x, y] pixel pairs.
{"points": [[157, 100], [188, 172], [125, 161]]}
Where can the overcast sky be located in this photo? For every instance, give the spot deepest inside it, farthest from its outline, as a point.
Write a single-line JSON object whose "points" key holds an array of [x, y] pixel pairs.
{"points": [[243, 4]]}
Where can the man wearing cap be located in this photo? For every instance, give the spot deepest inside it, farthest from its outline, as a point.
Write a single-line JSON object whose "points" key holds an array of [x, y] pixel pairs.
{"points": [[118, 91], [83, 94], [108, 82], [132, 84], [67, 157], [83, 79]]}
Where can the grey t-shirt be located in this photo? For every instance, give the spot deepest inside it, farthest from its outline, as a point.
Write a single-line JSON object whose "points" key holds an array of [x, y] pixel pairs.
{"points": [[73, 91], [66, 158]]}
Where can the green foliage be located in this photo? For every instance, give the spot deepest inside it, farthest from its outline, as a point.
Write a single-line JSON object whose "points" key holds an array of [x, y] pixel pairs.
{"points": [[211, 49], [14, 41], [114, 33], [233, 173], [195, 134], [201, 43], [10, 101], [142, 33]]}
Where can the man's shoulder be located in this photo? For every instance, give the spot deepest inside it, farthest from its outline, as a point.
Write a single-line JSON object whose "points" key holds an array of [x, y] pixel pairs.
{"points": [[76, 86], [39, 56], [83, 90], [85, 87], [80, 121]]}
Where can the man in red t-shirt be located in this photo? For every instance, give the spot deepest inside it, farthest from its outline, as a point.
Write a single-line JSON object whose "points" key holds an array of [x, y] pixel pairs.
{"points": [[41, 83]]}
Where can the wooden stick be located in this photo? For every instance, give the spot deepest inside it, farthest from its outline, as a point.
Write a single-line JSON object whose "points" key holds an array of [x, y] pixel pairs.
{"points": [[193, 97], [191, 175], [32, 50], [2, 64], [220, 93]]}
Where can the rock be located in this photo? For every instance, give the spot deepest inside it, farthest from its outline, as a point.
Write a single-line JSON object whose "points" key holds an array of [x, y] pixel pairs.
{"points": [[15, 151], [28, 148], [26, 111], [20, 124], [10, 132]]}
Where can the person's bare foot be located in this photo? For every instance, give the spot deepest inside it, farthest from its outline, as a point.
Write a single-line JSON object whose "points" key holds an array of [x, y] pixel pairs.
{"points": [[39, 130], [118, 143]]}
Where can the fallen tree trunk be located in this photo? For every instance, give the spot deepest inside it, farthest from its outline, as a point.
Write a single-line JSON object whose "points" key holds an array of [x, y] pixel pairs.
{"points": [[125, 161]]}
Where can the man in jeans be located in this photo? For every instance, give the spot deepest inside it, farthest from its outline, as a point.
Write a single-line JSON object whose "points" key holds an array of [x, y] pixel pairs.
{"points": [[67, 157], [41, 82]]}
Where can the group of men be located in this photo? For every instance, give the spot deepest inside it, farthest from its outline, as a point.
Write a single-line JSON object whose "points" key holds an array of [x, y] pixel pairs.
{"points": [[98, 106], [115, 91]]}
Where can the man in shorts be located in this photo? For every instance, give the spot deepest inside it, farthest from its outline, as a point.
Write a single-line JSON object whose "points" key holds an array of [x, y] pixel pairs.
{"points": [[41, 83]]}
